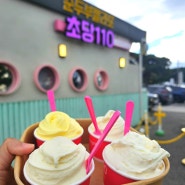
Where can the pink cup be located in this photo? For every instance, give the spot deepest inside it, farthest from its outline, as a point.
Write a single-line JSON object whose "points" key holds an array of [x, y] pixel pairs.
{"points": [[92, 141], [40, 141], [112, 177], [84, 181]]}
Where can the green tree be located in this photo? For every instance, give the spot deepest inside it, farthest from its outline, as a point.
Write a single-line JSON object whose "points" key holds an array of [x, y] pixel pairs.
{"points": [[155, 69]]}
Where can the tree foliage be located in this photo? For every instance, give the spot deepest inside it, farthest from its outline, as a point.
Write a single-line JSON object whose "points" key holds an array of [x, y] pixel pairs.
{"points": [[157, 70]]}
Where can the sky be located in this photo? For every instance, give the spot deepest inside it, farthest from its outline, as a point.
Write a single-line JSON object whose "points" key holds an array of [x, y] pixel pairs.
{"points": [[163, 21]]}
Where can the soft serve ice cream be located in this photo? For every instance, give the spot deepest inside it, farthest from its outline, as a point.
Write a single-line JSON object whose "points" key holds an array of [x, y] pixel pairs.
{"points": [[135, 156], [116, 131], [58, 124], [58, 161]]}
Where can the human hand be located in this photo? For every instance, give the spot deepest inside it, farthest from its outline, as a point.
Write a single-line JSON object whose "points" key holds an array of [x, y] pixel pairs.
{"points": [[8, 150]]}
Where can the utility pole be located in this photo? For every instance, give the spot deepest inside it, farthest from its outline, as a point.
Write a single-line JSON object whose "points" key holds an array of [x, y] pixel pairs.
{"points": [[143, 50]]}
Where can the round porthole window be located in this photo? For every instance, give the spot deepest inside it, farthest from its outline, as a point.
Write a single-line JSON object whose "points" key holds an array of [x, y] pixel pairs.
{"points": [[101, 80], [78, 79], [46, 78], [9, 78]]}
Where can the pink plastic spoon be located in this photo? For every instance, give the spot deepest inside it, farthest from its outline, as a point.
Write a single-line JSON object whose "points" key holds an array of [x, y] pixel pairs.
{"points": [[100, 140], [51, 99], [90, 108], [128, 116]]}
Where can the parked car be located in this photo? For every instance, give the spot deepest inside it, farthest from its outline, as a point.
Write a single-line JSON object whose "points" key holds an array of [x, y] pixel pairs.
{"points": [[164, 93], [178, 93], [153, 100]]}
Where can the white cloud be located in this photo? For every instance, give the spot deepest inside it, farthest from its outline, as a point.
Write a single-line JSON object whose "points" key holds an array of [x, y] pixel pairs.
{"points": [[163, 20]]}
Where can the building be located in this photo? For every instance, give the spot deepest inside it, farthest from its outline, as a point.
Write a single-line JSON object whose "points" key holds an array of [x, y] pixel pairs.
{"points": [[68, 46]]}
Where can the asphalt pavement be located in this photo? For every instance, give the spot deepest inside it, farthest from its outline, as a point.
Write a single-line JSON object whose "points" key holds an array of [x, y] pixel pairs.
{"points": [[172, 125]]}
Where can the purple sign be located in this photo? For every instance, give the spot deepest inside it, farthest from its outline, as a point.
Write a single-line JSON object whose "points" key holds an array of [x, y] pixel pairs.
{"points": [[88, 32]]}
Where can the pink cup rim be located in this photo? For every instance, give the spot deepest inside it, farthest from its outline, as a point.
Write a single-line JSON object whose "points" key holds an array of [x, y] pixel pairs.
{"points": [[124, 174], [74, 138], [96, 136], [76, 183]]}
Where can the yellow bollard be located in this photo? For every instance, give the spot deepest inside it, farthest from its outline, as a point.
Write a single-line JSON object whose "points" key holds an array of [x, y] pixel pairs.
{"points": [[146, 124], [159, 114]]}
